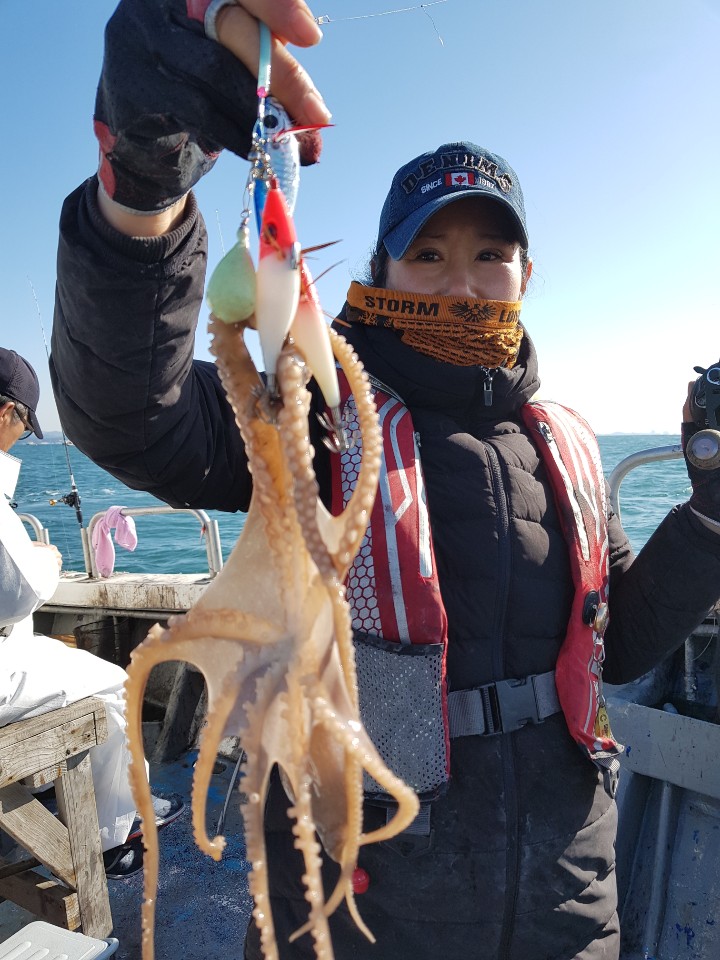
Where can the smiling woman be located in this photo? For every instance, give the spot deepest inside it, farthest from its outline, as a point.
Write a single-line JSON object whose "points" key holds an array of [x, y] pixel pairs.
{"points": [[468, 249], [462, 239]]}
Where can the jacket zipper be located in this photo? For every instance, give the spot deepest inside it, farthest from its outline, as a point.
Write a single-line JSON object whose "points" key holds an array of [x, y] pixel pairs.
{"points": [[488, 377], [512, 860]]}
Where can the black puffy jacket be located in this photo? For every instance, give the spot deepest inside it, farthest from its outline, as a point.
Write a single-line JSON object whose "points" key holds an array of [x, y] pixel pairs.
{"points": [[519, 863]]}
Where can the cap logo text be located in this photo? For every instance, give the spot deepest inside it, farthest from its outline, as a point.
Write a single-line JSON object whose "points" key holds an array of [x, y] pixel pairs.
{"points": [[487, 169]]}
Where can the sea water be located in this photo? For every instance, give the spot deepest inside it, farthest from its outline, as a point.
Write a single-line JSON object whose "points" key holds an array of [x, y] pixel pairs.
{"points": [[174, 543]]}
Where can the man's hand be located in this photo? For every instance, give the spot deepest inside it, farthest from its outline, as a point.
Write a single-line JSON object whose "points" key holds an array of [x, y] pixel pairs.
{"points": [[171, 98]]}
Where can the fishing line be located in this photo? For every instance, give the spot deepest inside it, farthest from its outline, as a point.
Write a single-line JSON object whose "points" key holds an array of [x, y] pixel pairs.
{"points": [[323, 19], [71, 499], [222, 242]]}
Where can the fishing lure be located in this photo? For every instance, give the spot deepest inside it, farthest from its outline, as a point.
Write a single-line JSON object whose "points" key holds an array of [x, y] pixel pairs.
{"points": [[281, 293], [282, 157], [309, 331], [278, 280]]}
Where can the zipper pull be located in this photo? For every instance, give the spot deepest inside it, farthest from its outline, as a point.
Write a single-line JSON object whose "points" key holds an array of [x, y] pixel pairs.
{"points": [[488, 376]]}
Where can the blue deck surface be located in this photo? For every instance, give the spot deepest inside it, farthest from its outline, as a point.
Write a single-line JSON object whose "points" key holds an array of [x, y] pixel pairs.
{"points": [[203, 907]]}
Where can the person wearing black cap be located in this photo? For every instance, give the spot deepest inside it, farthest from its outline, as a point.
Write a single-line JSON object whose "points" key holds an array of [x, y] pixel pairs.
{"points": [[38, 673], [19, 395], [513, 858]]}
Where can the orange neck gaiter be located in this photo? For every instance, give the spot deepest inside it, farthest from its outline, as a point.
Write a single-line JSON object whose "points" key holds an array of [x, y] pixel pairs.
{"points": [[458, 330]]}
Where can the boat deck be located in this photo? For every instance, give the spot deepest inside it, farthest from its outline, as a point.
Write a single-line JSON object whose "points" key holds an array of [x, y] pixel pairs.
{"points": [[209, 899], [148, 595]]}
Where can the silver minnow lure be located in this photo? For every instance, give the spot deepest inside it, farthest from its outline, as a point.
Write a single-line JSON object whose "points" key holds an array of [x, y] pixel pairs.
{"points": [[283, 156]]}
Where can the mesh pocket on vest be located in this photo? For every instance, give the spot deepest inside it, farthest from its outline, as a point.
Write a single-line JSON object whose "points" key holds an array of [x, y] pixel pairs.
{"points": [[401, 706]]}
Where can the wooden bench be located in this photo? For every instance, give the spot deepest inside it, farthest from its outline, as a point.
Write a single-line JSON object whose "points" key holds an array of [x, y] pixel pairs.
{"points": [[54, 748]]}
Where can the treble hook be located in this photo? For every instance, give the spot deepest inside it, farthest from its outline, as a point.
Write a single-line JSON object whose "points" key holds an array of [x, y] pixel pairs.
{"points": [[337, 439]]}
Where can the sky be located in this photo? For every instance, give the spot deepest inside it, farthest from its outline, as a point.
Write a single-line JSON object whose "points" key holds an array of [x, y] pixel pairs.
{"points": [[607, 111]]}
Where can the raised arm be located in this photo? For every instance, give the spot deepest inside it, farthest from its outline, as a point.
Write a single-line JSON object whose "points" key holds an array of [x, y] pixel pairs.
{"points": [[132, 253], [657, 600]]}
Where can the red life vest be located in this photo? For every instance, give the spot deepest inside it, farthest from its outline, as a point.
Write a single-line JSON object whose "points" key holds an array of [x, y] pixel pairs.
{"points": [[572, 458], [392, 586]]}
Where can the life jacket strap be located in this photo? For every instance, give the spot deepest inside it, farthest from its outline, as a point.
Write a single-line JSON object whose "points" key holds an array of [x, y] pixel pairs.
{"points": [[499, 707], [420, 827], [503, 706]]}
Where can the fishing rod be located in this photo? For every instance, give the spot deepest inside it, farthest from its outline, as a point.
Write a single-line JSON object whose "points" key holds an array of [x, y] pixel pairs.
{"points": [[73, 498]]}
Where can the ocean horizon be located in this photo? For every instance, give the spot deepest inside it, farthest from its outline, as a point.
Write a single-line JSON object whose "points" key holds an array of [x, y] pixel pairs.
{"points": [[173, 543]]}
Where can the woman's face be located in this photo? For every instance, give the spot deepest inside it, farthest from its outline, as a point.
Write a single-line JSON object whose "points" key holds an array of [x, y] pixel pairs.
{"points": [[463, 250]]}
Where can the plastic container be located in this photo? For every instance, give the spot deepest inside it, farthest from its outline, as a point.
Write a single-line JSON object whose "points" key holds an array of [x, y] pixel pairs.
{"points": [[37, 937]]}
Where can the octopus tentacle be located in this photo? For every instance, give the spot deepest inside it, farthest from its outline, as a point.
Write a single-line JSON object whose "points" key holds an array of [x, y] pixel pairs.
{"points": [[271, 483], [143, 659], [217, 714], [258, 879], [352, 734], [272, 637], [347, 860], [307, 844], [336, 540], [299, 774], [356, 514], [348, 529]]}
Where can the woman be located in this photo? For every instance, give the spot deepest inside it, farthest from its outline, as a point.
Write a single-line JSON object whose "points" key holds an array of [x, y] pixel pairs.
{"points": [[513, 858]]}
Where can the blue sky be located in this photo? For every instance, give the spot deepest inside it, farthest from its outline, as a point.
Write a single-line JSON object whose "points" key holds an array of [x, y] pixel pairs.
{"points": [[607, 111]]}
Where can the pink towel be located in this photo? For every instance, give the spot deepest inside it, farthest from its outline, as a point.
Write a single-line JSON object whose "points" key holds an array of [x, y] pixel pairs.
{"points": [[125, 536]]}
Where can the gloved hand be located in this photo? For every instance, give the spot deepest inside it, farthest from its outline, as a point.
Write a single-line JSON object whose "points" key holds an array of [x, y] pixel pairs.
{"points": [[705, 497], [170, 98], [698, 416]]}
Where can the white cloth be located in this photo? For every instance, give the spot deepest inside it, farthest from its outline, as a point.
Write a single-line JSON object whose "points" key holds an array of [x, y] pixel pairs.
{"points": [[39, 674]]}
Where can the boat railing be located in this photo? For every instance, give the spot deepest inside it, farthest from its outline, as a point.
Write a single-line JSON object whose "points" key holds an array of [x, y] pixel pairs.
{"points": [[209, 527], [639, 459], [42, 534]]}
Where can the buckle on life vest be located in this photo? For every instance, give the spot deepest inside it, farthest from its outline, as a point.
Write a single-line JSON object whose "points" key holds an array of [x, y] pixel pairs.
{"points": [[516, 704], [503, 706]]}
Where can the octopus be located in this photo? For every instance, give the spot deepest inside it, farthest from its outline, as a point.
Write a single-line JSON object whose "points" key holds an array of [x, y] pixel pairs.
{"points": [[272, 637]]}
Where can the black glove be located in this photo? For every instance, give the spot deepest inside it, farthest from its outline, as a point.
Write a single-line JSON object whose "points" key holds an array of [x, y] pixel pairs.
{"points": [[704, 407], [169, 100]]}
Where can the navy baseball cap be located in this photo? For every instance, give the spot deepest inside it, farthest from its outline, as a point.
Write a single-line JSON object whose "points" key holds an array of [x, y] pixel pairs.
{"points": [[434, 179], [18, 381]]}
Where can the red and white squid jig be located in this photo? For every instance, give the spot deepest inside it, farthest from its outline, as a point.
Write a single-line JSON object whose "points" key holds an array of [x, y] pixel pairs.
{"points": [[281, 291]]}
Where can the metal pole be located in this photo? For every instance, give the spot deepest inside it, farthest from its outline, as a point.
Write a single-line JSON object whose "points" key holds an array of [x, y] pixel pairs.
{"points": [[673, 452]]}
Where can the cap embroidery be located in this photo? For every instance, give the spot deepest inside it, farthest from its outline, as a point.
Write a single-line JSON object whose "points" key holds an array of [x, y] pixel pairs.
{"points": [[457, 161], [433, 185]]}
